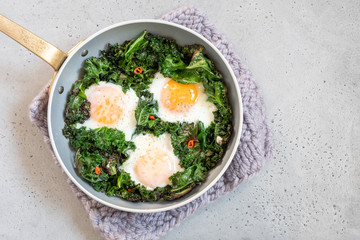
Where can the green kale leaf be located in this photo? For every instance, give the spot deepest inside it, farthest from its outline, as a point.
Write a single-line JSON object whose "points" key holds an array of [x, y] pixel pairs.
{"points": [[182, 181], [109, 141], [199, 69], [98, 69]]}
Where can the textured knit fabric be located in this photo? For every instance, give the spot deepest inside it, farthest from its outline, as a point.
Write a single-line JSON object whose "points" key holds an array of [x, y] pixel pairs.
{"points": [[254, 149]]}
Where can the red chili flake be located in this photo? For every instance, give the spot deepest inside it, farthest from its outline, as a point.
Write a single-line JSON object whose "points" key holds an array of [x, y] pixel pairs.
{"points": [[151, 117], [97, 170], [191, 143], [129, 190], [138, 70]]}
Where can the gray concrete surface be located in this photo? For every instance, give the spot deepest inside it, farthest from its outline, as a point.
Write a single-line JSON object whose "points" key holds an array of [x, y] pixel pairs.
{"points": [[305, 56]]}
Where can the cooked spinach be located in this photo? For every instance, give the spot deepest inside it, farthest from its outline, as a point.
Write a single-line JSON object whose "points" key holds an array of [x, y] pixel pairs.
{"points": [[107, 149]]}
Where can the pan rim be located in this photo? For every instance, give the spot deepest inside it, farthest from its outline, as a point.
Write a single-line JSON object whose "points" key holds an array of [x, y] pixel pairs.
{"points": [[177, 204]]}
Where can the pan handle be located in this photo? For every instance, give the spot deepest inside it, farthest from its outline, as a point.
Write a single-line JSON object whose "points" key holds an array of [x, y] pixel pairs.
{"points": [[48, 52]]}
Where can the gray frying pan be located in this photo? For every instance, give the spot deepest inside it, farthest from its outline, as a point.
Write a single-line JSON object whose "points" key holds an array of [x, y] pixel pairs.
{"points": [[68, 67]]}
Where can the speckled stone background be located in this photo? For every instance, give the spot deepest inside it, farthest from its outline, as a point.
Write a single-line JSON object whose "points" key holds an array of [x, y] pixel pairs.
{"points": [[305, 56]]}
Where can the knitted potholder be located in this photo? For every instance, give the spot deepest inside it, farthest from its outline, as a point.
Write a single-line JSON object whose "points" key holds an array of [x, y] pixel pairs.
{"points": [[254, 149]]}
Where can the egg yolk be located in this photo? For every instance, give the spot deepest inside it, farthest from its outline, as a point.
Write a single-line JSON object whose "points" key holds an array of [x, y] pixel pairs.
{"points": [[178, 97], [154, 169], [105, 105]]}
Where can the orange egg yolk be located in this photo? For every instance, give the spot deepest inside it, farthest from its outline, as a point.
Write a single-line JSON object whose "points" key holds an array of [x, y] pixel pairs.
{"points": [[105, 105], [154, 169], [178, 97]]}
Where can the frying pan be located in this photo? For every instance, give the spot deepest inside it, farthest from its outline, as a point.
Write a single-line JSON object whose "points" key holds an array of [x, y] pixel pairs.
{"points": [[68, 67]]}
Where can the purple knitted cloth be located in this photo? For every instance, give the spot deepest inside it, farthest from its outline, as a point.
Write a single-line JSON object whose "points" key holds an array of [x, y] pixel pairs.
{"points": [[254, 149]]}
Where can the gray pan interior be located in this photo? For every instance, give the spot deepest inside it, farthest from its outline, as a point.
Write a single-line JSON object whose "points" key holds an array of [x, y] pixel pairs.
{"points": [[71, 71]]}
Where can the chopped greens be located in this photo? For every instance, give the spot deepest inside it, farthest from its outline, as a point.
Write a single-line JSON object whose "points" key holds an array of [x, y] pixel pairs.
{"points": [[106, 148]]}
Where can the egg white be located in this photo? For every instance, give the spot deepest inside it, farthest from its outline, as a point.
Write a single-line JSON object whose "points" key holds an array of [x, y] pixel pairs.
{"points": [[202, 110], [127, 121], [149, 145]]}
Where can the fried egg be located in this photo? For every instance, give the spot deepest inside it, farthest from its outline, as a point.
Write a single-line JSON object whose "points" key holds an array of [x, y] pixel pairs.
{"points": [[111, 107], [153, 161], [181, 102]]}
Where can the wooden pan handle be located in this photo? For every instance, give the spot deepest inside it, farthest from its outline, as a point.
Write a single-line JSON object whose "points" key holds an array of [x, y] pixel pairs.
{"points": [[48, 52]]}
